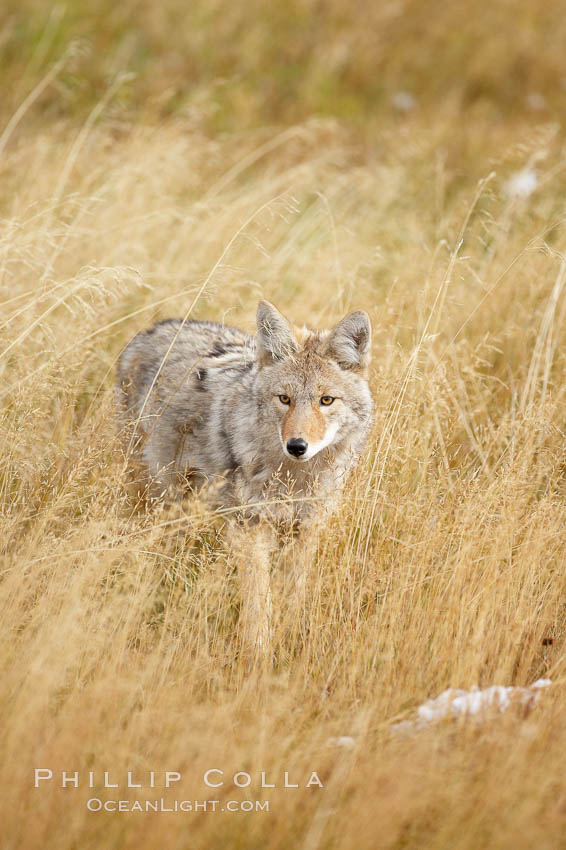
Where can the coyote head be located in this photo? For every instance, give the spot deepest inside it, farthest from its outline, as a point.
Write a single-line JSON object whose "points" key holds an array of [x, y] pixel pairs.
{"points": [[313, 385]]}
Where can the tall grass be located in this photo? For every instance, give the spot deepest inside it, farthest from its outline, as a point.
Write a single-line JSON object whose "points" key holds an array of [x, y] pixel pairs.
{"points": [[445, 564], [226, 65]]}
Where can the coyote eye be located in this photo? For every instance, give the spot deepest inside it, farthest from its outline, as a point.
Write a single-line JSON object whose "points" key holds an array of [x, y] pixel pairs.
{"points": [[326, 400], [284, 399]]}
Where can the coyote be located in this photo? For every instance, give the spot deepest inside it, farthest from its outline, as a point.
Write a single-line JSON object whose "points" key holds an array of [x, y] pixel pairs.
{"points": [[266, 427]]}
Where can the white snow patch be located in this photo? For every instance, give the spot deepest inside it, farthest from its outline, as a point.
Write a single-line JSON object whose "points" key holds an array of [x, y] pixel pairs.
{"points": [[342, 741], [536, 101], [456, 703], [404, 101], [542, 683], [522, 183]]}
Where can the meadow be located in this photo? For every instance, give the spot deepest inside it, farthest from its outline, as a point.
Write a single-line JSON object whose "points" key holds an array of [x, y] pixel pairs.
{"points": [[189, 159]]}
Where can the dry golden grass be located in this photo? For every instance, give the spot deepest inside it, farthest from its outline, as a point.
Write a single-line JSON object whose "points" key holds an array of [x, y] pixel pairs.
{"points": [[445, 566], [232, 65]]}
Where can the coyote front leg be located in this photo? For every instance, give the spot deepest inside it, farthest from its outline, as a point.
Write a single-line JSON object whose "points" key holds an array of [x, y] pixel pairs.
{"points": [[254, 546], [299, 557]]}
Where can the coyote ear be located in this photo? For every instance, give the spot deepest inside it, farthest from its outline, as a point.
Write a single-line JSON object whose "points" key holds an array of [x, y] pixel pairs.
{"points": [[274, 335], [349, 342]]}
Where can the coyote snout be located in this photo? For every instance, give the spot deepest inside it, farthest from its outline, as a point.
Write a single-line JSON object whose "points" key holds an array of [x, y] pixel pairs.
{"points": [[272, 423], [296, 448], [312, 430]]}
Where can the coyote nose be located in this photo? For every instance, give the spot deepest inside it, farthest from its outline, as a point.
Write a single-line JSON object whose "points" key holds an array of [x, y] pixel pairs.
{"points": [[297, 447]]}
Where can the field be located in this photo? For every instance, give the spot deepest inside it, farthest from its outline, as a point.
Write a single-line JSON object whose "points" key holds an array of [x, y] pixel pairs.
{"points": [[188, 159]]}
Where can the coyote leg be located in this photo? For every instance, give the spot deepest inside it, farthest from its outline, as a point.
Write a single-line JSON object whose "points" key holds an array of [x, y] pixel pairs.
{"points": [[298, 568], [254, 550]]}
